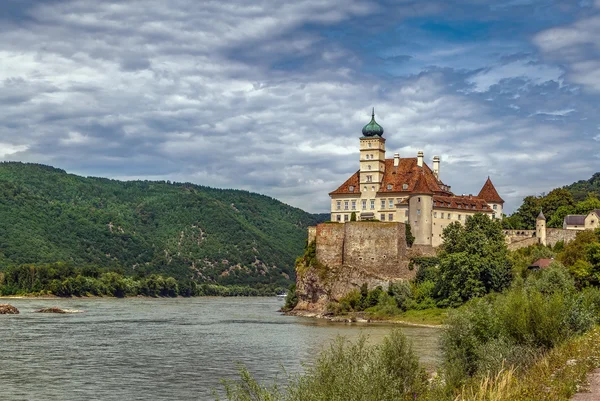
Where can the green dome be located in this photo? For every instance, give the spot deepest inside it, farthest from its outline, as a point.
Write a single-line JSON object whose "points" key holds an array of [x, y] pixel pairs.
{"points": [[372, 128]]}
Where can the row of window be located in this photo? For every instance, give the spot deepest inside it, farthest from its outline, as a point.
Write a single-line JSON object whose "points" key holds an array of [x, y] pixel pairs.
{"points": [[390, 217], [351, 205]]}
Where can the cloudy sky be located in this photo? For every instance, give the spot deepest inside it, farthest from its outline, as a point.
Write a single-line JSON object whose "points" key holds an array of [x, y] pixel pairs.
{"points": [[270, 96]]}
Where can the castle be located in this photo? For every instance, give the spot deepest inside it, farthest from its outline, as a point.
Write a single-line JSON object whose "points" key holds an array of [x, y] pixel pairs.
{"points": [[406, 190]]}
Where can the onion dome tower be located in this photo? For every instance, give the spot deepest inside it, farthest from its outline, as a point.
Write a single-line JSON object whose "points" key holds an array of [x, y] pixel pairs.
{"points": [[372, 157], [372, 128]]}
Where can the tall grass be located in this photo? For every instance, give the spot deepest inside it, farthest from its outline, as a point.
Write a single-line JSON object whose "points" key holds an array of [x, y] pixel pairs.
{"points": [[347, 371]]}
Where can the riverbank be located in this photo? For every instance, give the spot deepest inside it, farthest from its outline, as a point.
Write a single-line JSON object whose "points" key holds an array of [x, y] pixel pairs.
{"points": [[431, 318]]}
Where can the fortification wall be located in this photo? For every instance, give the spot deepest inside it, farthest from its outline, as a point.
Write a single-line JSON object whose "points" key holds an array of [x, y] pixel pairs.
{"points": [[312, 233], [553, 235], [352, 254], [370, 245], [523, 243], [330, 243]]}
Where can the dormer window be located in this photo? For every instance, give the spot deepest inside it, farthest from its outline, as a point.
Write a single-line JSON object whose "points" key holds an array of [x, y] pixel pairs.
{"points": [[405, 186], [389, 187], [351, 188]]}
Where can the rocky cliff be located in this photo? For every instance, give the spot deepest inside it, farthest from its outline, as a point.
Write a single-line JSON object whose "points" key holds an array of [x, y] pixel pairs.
{"points": [[342, 257]]}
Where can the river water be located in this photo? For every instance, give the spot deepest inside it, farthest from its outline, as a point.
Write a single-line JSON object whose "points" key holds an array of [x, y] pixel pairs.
{"points": [[162, 349]]}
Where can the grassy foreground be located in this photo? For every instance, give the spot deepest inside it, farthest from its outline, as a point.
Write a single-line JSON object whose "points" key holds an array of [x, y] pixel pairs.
{"points": [[390, 371], [556, 376]]}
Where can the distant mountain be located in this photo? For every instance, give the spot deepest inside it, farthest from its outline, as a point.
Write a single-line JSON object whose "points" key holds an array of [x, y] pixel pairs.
{"points": [[141, 227], [582, 189]]}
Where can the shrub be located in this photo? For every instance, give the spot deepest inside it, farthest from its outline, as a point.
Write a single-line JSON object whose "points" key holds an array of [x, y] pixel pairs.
{"points": [[347, 371]]}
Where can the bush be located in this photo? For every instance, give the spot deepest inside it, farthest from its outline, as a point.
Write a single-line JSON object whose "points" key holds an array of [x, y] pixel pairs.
{"points": [[347, 371]]}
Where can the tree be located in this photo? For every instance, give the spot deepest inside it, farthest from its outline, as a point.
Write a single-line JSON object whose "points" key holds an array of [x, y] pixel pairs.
{"points": [[473, 262], [353, 216], [557, 198], [410, 238]]}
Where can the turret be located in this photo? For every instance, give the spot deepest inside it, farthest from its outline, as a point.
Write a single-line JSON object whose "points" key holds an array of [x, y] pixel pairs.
{"points": [[420, 207], [540, 228]]}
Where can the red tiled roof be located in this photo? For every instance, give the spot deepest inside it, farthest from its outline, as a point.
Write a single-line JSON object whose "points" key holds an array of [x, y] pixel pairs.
{"points": [[470, 203], [353, 181], [542, 263], [406, 173], [488, 193]]}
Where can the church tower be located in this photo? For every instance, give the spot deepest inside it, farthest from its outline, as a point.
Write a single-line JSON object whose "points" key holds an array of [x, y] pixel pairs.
{"points": [[372, 156]]}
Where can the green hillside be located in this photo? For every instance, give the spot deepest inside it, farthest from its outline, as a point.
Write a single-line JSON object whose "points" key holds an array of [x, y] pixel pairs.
{"points": [[228, 237], [580, 197], [584, 188]]}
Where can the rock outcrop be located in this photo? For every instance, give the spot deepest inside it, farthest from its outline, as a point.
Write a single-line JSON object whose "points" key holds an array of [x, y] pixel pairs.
{"points": [[342, 257], [6, 309], [55, 309]]}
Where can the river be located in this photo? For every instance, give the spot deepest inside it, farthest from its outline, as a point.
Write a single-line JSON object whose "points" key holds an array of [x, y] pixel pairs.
{"points": [[162, 349]]}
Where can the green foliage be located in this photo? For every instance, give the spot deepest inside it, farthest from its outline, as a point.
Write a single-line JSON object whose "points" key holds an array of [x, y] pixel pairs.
{"points": [[473, 262], [189, 232], [584, 188], [346, 371], [353, 216], [410, 238], [511, 329], [66, 280], [291, 298]]}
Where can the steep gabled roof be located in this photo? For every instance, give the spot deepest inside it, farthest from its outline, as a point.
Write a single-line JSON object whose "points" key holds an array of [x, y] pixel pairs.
{"points": [[489, 194], [352, 182], [400, 179], [421, 186], [467, 203], [575, 220]]}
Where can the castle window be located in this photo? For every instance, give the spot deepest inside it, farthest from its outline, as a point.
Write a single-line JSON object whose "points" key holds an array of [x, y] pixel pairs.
{"points": [[390, 217], [338, 205], [364, 203], [372, 204], [391, 204], [369, 178], [494, 207], [419, 199], [435, 214], [369, 167], [418, 212], [494, 216], [389, 187], [459, 217], [459, 206], [365, 188], [382, 217], [383, 203], [449, 216], [345, 217], [351, 188], [442, 216], [369, 144], [353, 205], [372, 187], [339, 217], [345, 205]]}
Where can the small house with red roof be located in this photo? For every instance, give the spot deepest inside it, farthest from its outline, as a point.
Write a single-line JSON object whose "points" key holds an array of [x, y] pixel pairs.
{"points": [[406, 190]]}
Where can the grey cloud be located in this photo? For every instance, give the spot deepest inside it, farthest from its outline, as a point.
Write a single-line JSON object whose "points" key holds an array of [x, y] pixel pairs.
{"points": [[186, 91]]}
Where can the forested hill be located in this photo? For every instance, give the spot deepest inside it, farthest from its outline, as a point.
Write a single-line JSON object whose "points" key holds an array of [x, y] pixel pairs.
{"points": [[580, 197], [142, 227]]}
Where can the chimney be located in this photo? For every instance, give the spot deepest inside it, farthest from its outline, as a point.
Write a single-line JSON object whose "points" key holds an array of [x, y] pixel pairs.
{"points": [[396, 159], [436, 167], [420, 158]]}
